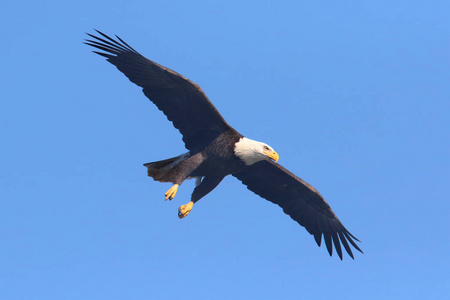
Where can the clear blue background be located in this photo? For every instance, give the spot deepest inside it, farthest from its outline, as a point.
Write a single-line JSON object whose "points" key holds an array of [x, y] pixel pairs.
{"points": [[354, 96]]}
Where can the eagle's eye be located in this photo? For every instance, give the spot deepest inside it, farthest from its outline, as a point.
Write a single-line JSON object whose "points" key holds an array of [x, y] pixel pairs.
{"points": [[266, 148]]}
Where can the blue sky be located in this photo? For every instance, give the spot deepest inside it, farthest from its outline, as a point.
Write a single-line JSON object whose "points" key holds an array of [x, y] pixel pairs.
{"points": [[354, 97]]}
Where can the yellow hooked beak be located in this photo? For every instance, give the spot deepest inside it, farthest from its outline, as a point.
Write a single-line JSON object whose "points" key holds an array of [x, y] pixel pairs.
{"points": [[273, 155]]}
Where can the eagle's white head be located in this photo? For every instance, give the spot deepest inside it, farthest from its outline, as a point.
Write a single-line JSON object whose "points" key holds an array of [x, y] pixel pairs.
{"points": [[250, 151]]}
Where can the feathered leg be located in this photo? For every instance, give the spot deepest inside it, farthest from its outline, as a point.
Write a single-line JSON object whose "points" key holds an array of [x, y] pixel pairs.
{"points": [[201, 190]]}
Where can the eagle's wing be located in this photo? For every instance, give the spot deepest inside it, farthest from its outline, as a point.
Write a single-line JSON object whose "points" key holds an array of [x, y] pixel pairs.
{"points": [[181, 100], [300, 201]]}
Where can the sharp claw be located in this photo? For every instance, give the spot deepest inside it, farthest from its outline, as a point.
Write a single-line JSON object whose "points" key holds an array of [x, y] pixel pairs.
{"points": [[170, 194], [184, 210]]}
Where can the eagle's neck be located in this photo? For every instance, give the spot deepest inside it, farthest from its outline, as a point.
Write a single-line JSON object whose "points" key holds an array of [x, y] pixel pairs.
{"points": [[249, 151]]}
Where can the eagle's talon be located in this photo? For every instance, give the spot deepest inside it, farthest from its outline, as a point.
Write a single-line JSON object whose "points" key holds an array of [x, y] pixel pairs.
{"points": [[184, 210], [170, 194]]}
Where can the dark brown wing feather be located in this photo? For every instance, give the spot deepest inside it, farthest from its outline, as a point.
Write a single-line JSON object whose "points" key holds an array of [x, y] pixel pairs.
{"points": [[181, 100], [300, 201]]}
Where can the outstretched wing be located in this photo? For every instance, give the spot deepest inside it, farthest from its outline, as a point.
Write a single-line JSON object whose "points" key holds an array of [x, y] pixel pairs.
{"points": [[181, 100], [300, 201]]}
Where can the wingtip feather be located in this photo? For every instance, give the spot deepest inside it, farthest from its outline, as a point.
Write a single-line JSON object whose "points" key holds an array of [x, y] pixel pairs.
{"points": [[328, 243], [349, 238], [346, 245], [318, 238], [337, 244]]}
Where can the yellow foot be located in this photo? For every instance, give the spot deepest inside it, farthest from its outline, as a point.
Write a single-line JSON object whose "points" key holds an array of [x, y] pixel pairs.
{"points": [[184, 210], [170, 194]]}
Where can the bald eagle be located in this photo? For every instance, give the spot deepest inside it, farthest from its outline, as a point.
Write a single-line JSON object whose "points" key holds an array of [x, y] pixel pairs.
{"points": [[217, 150]]}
